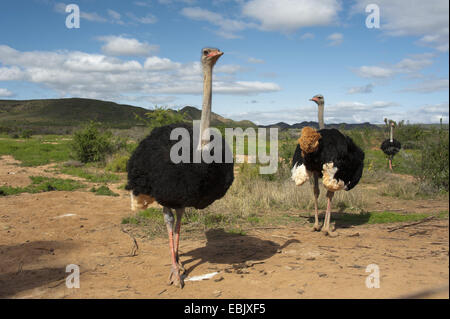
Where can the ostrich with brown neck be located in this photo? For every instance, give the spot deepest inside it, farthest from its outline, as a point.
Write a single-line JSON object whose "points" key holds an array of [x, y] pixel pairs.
{"points": [[153, 176], [329, 154]]}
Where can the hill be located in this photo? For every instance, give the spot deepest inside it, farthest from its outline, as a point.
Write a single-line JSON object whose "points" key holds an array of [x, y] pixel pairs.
{"points": [[344, 126], [67, 112], [43, 115]]}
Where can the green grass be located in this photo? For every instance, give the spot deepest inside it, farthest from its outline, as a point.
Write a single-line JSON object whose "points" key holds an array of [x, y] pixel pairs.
{"points": [[34, 151], [385, 217], [41, 184], [103, 191], [404, 161], [89, 175]]}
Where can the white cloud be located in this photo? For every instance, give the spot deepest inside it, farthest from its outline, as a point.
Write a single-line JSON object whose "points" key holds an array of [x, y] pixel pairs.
{"points": [[255, 60], [158, 79], [410, 65], [6, 93], [374, 72], [227, 27], [290, 15], [11, 74], [142, 4], [368, 88], [159, 64], [147, 19], [429, 86], [335, 39], [90, 16], [114, 14], [229, 68], [426, 19], [120, 46], [245, 87], [307, 36]]}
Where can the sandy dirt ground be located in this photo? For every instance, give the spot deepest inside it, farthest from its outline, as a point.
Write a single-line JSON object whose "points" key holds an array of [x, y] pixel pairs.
{"points": [[40, 234]]}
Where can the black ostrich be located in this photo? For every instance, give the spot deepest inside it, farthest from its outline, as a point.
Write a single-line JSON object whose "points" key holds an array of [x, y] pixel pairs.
{"points": [[391, 146], [153, 176], [329, 154]]}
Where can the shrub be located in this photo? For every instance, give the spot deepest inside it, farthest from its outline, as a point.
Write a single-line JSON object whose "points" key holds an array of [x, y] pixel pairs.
{"points": [[161, 116], [118, 163], [90, 144], [26, 133], [434, 164]]}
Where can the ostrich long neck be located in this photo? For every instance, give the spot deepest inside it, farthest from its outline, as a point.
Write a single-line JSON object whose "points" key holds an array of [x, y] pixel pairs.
{"points": [[321, 122], [391, 135], [206, 107]]}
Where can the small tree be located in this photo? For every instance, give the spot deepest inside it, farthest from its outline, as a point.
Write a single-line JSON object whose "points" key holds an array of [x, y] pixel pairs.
{"points": [[89, 144], [161, 116]]}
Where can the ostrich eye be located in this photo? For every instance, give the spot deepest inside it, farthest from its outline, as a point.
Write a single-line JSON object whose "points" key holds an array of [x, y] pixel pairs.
{"points": [[205, 52]]}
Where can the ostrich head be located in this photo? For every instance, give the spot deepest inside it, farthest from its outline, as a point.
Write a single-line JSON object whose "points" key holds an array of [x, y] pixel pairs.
{"points": [[210, 56], [320, 103], [318, 99]]}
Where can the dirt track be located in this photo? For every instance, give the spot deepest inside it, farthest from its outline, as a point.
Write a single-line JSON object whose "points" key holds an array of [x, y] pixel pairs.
{"points": [[42, 233]]}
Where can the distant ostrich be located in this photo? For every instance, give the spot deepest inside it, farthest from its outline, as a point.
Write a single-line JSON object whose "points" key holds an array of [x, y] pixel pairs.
{"points": [[329, 154], [391, 146], [152, 176]]}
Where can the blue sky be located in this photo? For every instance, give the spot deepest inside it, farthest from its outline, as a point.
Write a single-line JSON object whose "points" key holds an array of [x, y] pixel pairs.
{"points": [[278, 54]]}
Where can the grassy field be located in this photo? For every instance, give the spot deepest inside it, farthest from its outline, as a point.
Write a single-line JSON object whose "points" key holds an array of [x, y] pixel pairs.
{"points": [[254, 200], [38, 150]]}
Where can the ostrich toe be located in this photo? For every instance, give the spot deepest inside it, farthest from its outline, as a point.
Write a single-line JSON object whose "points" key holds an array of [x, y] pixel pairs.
{"points": [[176, 278]]}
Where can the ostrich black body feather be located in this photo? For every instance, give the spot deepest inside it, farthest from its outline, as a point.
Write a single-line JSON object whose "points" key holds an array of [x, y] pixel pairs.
{"points": [[391, 148], [152, 172], [336, 148]]}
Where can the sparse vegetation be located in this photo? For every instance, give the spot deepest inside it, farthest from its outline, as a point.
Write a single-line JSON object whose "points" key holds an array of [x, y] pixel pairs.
{"points": [[41, 184], [103, 191], [37, 150], [91, 174]]}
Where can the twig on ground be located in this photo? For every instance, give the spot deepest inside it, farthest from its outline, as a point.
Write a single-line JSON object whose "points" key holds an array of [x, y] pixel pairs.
{"points": [[135, 248], [411, 224]]}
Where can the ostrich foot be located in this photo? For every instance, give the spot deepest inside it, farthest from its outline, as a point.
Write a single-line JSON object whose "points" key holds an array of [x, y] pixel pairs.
{"points": [[316, 227], [175, 278], [328, 232]]}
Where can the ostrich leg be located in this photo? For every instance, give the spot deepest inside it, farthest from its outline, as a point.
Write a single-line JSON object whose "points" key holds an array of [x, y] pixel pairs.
{"points": [[316, 226], [174, 276], [390, 163], [326, 224], [179, 213]]}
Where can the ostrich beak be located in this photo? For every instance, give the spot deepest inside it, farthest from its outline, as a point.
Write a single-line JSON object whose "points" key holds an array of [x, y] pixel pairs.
{"points": [[215, 54], [314, 99]]}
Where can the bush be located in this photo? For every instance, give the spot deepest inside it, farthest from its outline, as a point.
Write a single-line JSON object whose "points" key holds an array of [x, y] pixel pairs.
{"points": [[26, 133], [118, 163], [434, 165], [90, 144], [161, 116]]}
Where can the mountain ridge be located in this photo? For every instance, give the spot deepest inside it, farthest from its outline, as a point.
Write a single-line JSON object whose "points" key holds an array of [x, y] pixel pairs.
{"points": [[70, 112]]}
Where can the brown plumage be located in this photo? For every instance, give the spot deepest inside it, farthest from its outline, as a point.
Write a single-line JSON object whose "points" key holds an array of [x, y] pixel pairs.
{"points": [[309, 140]]}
